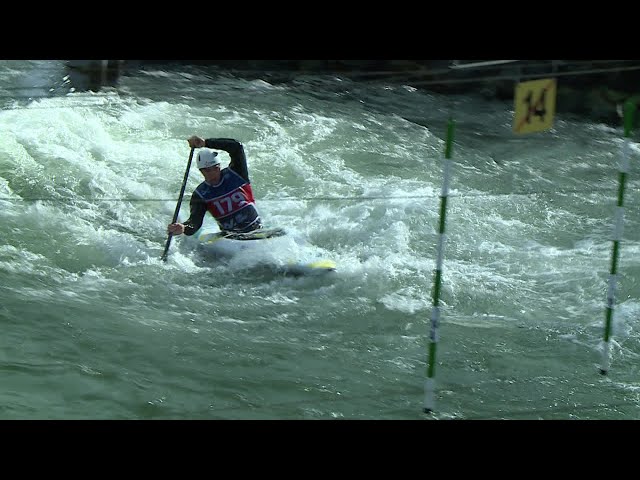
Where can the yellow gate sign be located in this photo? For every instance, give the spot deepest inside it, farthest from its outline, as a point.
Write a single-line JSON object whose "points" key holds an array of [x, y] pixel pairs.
{"points": [[535, 106]]}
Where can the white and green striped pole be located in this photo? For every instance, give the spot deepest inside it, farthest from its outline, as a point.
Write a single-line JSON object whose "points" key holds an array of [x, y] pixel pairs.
{"points": [[429, 383], [629, 109]]}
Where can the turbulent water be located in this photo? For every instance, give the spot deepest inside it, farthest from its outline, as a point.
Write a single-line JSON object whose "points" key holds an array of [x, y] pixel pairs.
{"points": [[96, 326]]}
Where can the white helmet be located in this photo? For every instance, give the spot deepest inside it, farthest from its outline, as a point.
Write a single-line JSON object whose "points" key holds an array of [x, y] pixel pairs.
{"points": [[207, 158]]}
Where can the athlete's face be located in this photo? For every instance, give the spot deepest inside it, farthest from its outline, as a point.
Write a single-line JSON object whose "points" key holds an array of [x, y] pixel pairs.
{"points": [[211, 174]]}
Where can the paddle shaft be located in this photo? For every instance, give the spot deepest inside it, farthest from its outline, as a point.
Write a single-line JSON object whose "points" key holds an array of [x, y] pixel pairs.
{"points": [[177, 211]]}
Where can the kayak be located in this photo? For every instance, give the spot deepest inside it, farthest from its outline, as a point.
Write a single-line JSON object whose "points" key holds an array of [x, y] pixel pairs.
{"points": [[261, 243]]}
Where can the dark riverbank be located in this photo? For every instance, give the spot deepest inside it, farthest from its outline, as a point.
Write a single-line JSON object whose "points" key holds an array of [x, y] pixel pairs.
{"points": [[595, 89]]}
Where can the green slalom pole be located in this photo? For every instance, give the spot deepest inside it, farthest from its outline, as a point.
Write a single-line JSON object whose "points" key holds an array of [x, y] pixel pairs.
{"points": [[429, 383], [629, 109]]}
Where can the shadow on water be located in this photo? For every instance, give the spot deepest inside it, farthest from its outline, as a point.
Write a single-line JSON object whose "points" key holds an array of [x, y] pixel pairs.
{"points": [[93, 75]]}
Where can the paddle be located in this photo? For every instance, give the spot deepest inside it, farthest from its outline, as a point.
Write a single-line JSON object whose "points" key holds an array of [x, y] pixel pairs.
{"points": [[175, 214]]}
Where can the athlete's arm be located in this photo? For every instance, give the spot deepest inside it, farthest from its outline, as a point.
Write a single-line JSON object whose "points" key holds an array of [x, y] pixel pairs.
{"points": [[235, 150], [198, 209]]}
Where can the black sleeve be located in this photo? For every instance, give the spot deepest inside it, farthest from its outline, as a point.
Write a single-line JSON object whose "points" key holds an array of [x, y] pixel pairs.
{"points": [[235, 150], [198, 209]]}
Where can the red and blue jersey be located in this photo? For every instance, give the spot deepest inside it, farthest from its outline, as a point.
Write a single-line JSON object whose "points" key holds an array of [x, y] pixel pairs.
{"points": [[230, 202]]}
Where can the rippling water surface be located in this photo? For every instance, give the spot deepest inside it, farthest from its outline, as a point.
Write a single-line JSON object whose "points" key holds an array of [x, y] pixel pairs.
{"points": [[96, 326]]}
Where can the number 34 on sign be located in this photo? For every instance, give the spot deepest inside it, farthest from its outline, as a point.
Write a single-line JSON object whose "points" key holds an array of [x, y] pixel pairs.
{"points": [[535, 106]]}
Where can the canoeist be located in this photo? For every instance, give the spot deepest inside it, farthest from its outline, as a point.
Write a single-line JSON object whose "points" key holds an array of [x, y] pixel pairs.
{"points": [[225, 192]]}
